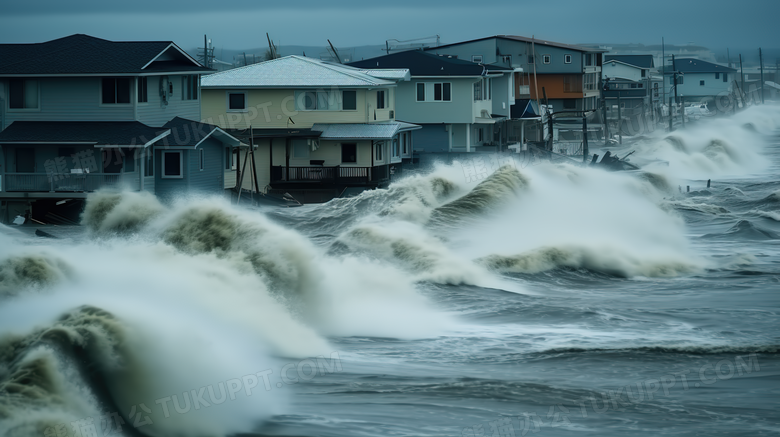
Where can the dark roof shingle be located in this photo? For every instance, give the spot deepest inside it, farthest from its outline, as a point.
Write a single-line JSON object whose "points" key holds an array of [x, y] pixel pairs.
{"points": [[84, 54], [421, 63], [99, 133], [641, 61]]}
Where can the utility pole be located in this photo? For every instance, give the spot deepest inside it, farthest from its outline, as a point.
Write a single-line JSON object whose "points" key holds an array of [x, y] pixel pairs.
{"points": [[663, 76], [674, 72], [585, 151], [606, 122], [671, 126], [620, 120], [761, 62], [742, 79]]}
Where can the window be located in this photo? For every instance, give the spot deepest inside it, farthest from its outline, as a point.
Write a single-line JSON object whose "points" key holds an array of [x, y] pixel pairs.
{"points": [[590, 82], [23, 94], [236, 101], [172, 164], [569, 104], [116, 90], [572, 83], [530, 59], [447, 94], [478, 90], [143, 90], [588, 59], [228, 158], [489, 88], [349, 100], [546, 59], [332, 100], [633, 85], [405, 140], [202, 159], [717, 75], [380, 100], [25, 160], [644, 73], [348, 153], [189, 87], [378, 151], [480, 135], [567, 59], [701, 83], [725, 77], [622, 105], [420, 92], [396, 148], [149, 164], [300, 149], [477, 59], [437, 92]]}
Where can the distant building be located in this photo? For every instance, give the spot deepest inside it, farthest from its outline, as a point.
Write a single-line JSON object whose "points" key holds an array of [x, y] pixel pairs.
{"points": [[627, 83], [698, 80], [453, 99]]}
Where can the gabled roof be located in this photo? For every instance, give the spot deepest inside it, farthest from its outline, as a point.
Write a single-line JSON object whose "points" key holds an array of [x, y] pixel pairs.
{"points": [[639, 61], [97, 133], [83, 54], [422, 63], [293, 72], [362, 131], [524, 39], [690, 65], [190, 133]]}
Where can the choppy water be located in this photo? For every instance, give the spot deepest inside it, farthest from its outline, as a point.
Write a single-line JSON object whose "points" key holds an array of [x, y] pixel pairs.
{"points": [[537, 298]]}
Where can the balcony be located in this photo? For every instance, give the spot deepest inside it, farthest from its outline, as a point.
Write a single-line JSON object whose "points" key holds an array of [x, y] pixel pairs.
{"points": [[67, 182], [330, 175]]}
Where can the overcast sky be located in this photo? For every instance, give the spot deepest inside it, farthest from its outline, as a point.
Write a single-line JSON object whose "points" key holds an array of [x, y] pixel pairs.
{"points": [[241, 24]]}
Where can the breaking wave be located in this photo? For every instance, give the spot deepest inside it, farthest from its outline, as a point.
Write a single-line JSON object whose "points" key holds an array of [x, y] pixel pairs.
{"points": [[598, 259]]}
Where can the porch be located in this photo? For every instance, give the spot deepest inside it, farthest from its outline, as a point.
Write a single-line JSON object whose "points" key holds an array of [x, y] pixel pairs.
{"points": [[338, 175]]}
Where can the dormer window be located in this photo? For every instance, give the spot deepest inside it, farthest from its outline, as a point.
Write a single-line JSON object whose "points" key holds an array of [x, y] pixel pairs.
{"points": [[116, 90], [23, 94]]}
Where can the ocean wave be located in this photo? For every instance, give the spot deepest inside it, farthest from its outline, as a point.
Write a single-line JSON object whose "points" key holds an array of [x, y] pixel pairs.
{"points": [[120, 212], [31, 271], [498, 188], [745, 230], [690, 349], [608, 260]]}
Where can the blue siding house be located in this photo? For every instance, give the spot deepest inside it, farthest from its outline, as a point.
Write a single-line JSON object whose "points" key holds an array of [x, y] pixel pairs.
{"points": [[80, 113]]}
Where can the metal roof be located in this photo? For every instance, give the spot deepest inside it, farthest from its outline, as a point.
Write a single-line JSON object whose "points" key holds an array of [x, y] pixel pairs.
{"points": [[390, 73], [362, 131], [293, 72]]}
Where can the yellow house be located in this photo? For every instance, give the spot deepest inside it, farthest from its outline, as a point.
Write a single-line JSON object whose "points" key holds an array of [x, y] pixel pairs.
{"points": [[318, 128]]}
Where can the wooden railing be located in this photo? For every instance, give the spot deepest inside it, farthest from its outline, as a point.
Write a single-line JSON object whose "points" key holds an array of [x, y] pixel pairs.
{"points": [[67, 182], [334, 175]]}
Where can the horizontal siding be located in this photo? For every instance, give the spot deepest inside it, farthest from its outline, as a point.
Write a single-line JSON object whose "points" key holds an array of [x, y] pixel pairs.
{"points": [[272, 108], [168, 188], [459, 110], [155, 113], [210, 179], [66, 99]]}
